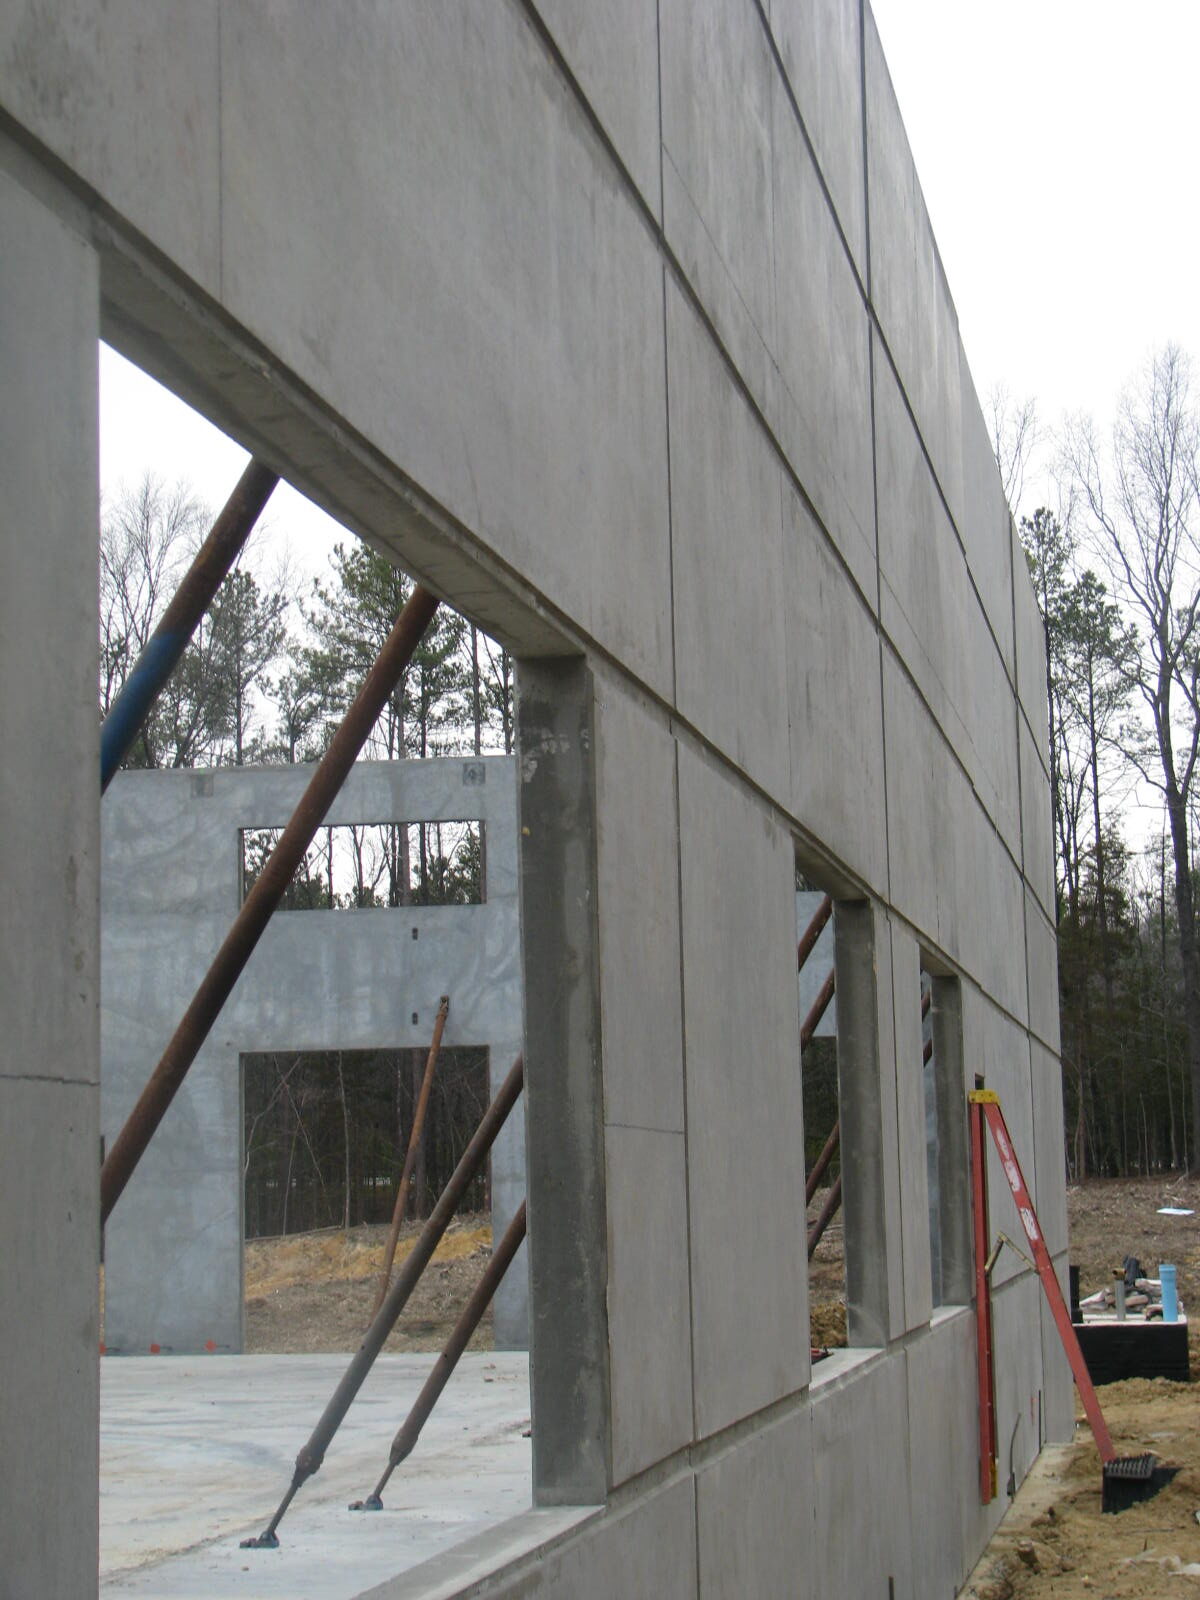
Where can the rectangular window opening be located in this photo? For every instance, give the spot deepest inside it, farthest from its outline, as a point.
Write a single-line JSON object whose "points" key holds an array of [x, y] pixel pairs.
{"points": [[946, 1143], [824, 1221], [325, 1134], [358, 866]]}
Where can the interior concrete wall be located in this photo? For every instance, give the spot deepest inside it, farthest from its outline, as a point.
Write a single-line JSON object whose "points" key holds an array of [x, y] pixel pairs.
{"points": [[623, 325], [362, 980]]}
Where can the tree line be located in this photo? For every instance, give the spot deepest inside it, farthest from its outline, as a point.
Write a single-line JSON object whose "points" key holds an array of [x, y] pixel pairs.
{"points": [[1116, 568]]}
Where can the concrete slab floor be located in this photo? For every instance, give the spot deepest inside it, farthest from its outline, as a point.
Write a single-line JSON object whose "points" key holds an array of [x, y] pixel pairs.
{"points": [[196, 1452]]}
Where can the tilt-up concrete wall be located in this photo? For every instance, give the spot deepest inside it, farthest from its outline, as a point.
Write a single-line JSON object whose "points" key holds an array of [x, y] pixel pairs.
{"points": [[622, 325], [355, 980]]}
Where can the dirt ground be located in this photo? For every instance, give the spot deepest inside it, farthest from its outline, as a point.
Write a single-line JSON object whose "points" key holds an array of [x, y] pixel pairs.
{"points": [[1055, 1541], [313, 1292]]}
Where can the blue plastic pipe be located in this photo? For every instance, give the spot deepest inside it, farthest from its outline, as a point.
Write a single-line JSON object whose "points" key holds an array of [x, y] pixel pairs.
{"points": [[128, 712]]}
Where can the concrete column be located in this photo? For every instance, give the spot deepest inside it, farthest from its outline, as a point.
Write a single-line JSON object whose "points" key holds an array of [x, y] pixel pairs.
{"points": [[866, 1079], [49, 853], [564, 1113]]}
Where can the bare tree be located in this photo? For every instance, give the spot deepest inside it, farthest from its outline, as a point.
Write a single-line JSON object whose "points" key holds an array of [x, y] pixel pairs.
{"points": [[1016, 434], [147, 535], [1143, 501]]}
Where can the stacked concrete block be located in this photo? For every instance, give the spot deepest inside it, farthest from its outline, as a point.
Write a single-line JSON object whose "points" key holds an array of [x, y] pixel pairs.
{"points": [[624, 326]]}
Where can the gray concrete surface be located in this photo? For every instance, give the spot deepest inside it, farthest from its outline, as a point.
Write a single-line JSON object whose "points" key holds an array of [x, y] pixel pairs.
{"points": [[49, 865], [624, 326], [348, 980], [195, 1455]]}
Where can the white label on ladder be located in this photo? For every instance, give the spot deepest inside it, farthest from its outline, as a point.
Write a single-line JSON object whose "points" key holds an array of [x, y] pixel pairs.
{"points": [[1031, 1225]]}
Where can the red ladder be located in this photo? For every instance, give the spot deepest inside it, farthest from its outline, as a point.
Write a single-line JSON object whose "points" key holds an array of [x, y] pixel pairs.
{"points": [[985, 1106]]}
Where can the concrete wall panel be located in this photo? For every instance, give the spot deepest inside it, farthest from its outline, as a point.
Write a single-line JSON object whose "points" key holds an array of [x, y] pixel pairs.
{"points": [[728, 560], [49, 865], [910, 1129], [638, 872], [943, 1411], [1031, 652], [718, 88], [822, 402], [932, 613], [821, 48], [1058, 1387], [860, 1451], [1037, 824], [649, 1549], [612, 49], [522, 384], [50, 1326], [836, 721], [1020, 1387], [908, 285], [756, 1518], [1048, 1175], [745, 1120], [1043, 973], [649, 1312], [128, 97], [985, 521]]}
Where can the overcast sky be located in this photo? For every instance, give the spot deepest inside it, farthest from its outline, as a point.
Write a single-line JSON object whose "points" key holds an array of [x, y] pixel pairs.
{"points": [[1056, 143]]}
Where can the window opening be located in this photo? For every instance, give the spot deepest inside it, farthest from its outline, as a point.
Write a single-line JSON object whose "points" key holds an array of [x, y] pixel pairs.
{"points": [[824, 1229], [946, 1155], [356, 866]]}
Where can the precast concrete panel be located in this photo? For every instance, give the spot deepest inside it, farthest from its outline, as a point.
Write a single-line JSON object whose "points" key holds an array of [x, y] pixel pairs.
{"points": [[611, 46], [727, 541], [1037, 824], [649, 1297], [985, 520], [1043, 972], [501, 340], [911, 1135], [718, 87], [1049, 1158], [821, 403], [49, 865], [317, 981], [931, 612], [637, 838], [649, 1549], [1031, 653], [838, 790], [745, 1117], [908, 285], [128, 98], [860, 1455], [943, 1425], [756, 1515], [820, 44]]}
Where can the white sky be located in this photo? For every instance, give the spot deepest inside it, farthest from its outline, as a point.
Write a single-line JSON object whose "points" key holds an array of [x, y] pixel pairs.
{"points": [[1056, 142]]}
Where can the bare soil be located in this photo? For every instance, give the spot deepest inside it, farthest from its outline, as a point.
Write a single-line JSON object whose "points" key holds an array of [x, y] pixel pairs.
{"points": [[314, 1292], [1055, 1541]]}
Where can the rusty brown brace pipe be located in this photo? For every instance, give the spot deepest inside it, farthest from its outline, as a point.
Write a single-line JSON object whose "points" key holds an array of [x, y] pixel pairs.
{"points": [[414, 1142], [230, 960], [312, 1454], [813, 932], [410, 1429], [829, 1149]]}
